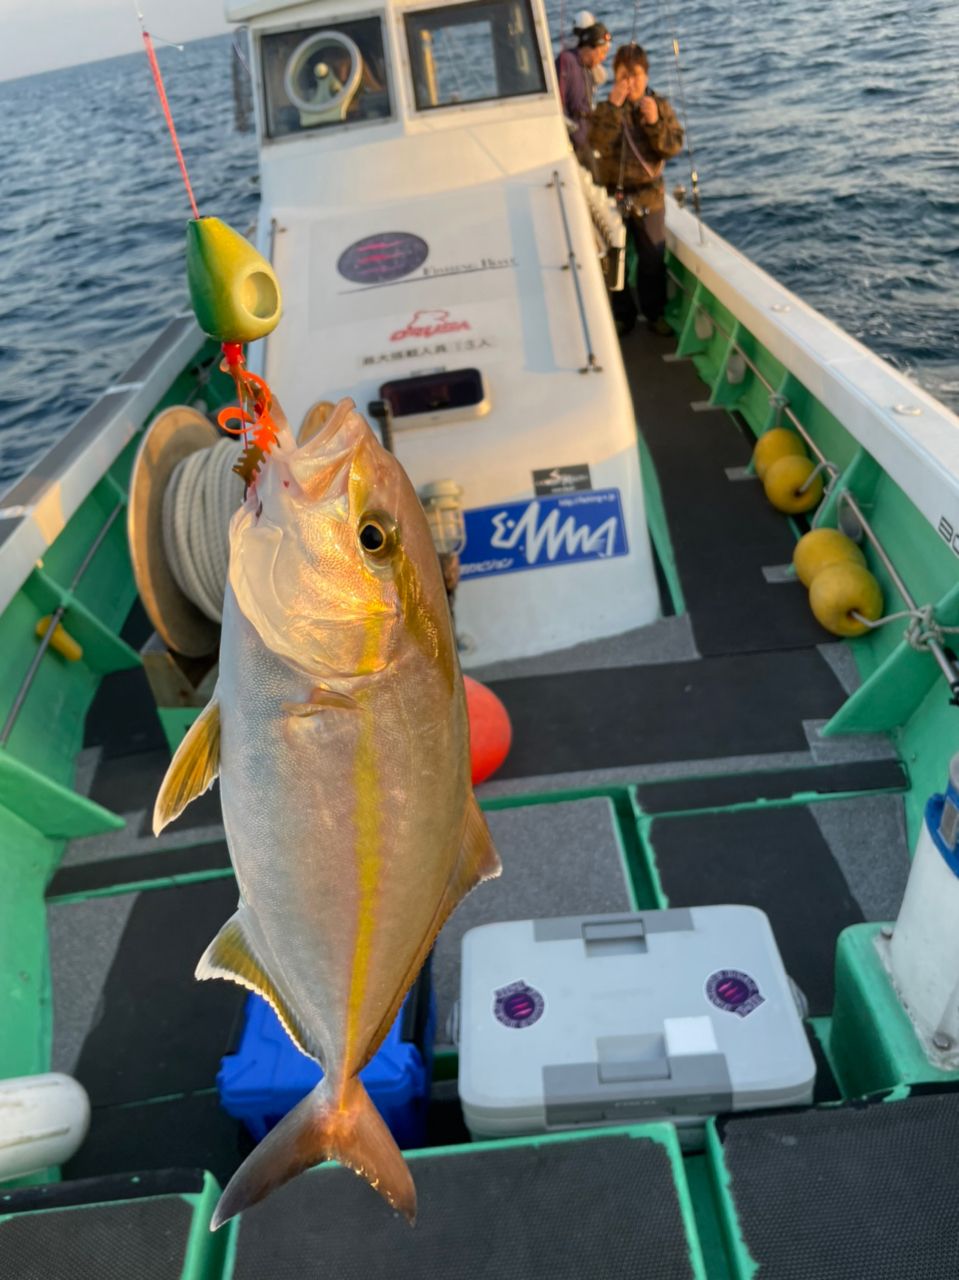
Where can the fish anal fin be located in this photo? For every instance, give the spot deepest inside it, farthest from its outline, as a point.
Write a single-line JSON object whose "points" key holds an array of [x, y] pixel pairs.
{"points": [[232, 956], [478, 861], [192, 770]]}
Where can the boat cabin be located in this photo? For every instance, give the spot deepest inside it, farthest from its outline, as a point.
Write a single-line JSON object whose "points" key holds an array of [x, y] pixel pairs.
{"points": [[426, 219]]}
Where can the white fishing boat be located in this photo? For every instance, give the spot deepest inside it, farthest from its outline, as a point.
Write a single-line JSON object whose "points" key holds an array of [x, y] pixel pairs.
{"points": [[685, 1034]]}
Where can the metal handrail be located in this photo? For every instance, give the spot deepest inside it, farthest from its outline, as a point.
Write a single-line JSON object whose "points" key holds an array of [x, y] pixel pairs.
{"points": [[949, 669], [573, 267], [28, 679], [780, 402]]}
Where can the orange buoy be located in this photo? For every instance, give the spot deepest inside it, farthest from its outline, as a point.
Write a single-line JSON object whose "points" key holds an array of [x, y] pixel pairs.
{"points": [[490, 730]]}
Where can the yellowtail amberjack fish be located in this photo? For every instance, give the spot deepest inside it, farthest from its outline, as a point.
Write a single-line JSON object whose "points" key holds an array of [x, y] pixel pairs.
{"points": [[338, 729]]}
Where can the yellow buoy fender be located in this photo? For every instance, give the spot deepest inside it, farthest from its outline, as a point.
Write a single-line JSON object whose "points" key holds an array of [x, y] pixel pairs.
{"points": [[776, 444], [784, 482], [820, 548], [839, 591]]}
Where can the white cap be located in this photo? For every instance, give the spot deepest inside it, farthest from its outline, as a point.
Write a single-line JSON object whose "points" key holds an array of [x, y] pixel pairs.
{"points": [[583, 20]]}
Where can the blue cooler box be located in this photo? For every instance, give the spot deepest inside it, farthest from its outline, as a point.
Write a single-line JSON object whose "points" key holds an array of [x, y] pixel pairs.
{"points": [[267, 1076]]}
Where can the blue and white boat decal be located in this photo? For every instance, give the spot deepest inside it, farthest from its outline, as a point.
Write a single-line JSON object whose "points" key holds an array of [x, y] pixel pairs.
{"points": [[541, 532]]}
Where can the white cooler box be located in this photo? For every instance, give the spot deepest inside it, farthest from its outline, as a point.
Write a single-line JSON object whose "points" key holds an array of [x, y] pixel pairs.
{"points": [[612, 1019]]}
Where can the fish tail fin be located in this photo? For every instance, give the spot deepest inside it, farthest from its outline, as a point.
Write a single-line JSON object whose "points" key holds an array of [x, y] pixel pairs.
{"points": [[348, 1129]]}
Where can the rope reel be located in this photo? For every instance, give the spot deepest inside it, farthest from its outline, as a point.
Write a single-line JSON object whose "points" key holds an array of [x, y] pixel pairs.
{"points": [[172, 437], [199, 502], [183, 493]]}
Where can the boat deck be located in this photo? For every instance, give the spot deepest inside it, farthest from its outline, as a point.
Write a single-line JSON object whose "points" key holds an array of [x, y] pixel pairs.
{"points": [[680, 765]]}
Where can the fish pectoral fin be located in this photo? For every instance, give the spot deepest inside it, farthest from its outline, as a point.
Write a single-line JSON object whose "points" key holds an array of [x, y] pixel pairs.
{"points": [[321, 699], [232, 956], [193, 769], [477, 861]]}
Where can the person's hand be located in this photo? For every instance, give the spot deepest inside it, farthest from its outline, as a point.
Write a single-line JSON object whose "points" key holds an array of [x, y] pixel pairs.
{"points": [[648, 110], [617, 95]]}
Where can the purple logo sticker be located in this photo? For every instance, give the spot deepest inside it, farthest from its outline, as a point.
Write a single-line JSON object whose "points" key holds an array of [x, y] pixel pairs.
{"points": [[734, 992], [518, 1005], [379, 259]]}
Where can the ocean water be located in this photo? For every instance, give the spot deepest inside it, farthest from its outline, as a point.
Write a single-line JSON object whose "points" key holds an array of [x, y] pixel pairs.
{"points": [[825, 135]]}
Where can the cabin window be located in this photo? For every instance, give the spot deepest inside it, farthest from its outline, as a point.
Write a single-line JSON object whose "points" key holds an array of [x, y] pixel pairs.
{"points": [[317, 77], [454, 389], [473, 53]]}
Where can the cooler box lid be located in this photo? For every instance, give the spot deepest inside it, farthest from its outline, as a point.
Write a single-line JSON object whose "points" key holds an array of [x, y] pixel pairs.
{"points": [[593, 1019]]}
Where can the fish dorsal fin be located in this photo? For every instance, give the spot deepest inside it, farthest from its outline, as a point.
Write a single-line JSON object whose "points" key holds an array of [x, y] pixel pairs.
{"points": [[232, 956], [193, 768], [477, 861]]}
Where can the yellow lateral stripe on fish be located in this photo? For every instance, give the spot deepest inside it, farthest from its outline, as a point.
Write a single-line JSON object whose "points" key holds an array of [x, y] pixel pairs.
{"points": [[368, 827]]}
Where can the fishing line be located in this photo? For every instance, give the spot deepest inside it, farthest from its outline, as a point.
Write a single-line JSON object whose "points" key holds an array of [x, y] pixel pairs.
{"points": [[161, 93], [693, 171], [257, 429], [622, 140]]}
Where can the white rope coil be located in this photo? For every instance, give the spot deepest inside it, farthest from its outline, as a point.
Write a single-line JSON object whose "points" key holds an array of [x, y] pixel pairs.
{"points": [[198, 505]]}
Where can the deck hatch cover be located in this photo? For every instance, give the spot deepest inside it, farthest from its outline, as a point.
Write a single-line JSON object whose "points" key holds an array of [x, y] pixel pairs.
{"points": [[143, 1238], [502, 1212], [849, 1193]]}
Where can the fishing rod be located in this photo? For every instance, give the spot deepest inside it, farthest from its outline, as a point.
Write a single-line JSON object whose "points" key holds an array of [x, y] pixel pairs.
{"points": [[211, 294], [693, 171], [620, 194], [684, 115]]}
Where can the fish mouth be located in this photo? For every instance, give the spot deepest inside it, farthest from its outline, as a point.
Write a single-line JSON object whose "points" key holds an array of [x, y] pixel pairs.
{"points": [[340, 417]]}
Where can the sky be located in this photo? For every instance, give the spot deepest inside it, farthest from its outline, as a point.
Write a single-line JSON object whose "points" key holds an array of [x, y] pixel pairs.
{"points": [[39, 35]]}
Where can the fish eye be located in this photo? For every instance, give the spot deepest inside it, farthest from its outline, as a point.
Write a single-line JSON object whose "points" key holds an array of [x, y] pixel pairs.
{"points": [[376, 534]]}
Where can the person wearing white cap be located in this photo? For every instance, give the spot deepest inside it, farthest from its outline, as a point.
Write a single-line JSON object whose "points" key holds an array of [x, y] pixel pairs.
{"points": [[575, 70], [582, 22]]}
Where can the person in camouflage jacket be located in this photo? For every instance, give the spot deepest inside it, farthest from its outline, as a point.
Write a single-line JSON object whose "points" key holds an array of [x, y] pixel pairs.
{"points": [[634, 133]]}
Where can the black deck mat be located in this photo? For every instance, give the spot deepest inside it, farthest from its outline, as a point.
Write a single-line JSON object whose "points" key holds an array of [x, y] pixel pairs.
{"points": [[138, 868], [598, 1207], [101, 1190], [143, 1238], [727, 706], [122, 718], [724, 790], [774, 859], [191, 1131], [159, 1031], [128, 783], [849, 1193], [723, 532], [138, 628]]}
